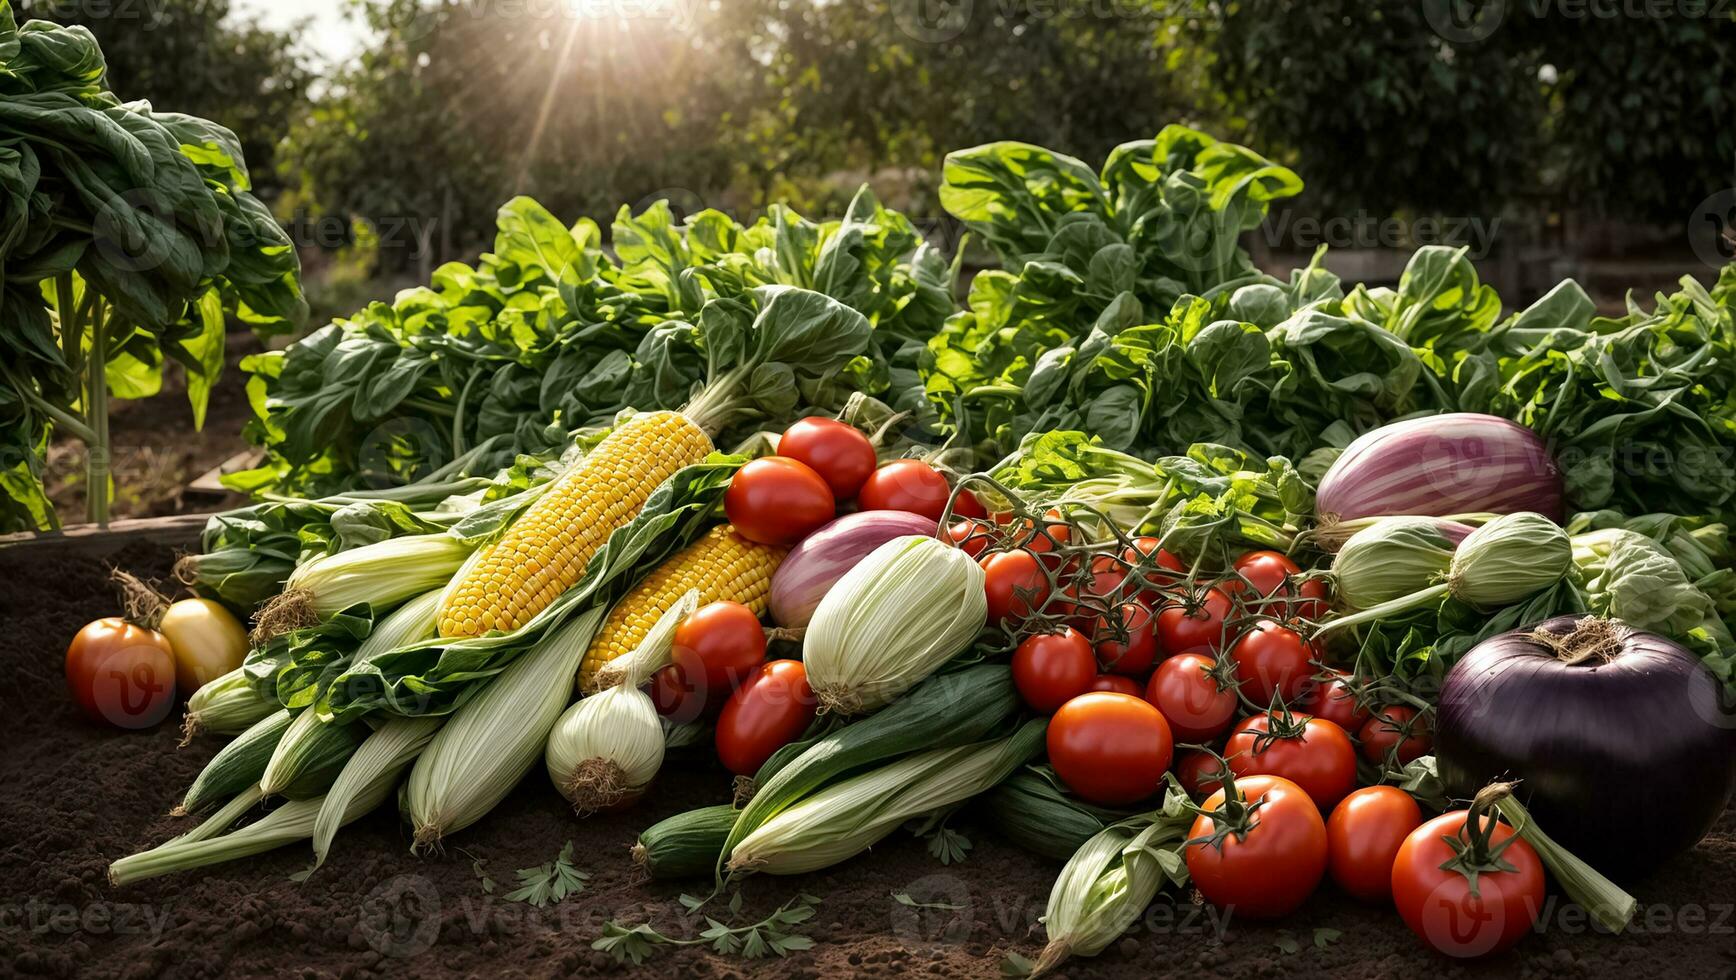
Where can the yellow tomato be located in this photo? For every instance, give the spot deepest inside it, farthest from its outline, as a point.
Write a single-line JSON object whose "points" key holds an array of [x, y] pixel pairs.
{"points": [[208, 641]]}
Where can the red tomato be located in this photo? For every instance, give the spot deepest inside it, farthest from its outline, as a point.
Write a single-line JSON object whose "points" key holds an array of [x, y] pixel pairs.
{"points": [[966, 504], [1016, 585], [121, 674], [1274, 574], [1146, 554], [1110, 749], [718, 647], [777, 501], [1334, 699], [1187, 691], [1314, 754], [1115, 684], [771, 709], [1363, 836], [1266, 571], [839, 452], [1128, 645], [1395, 732], [1200, 773], [1263, 861], [1437, 902], [1272, 659], [1198, 622], [1050, 669], [1054, 534], [910, 485], [971, 535]]}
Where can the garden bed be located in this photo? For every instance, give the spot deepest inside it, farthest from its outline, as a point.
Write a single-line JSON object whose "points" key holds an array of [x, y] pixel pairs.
{"points": [[78, 797]]}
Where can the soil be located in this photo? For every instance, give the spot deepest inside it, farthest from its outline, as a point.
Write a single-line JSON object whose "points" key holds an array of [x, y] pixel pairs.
{"points": [[77, 797]]}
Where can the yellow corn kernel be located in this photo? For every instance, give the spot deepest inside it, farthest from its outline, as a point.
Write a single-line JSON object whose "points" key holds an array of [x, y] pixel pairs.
{"points": [[546, 550], [722, 565]]}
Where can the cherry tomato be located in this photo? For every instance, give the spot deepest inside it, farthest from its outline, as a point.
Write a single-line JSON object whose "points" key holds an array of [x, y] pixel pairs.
{"points": [[1363, 836], [912, 485], [1266, 571], [1054, 534], [1110, 749], [971, 535], [674, 696], [1200, 773], [777, 501], [1274, 574], [1187, 692], [966, 504], [771, 709], [1050, 669], [839, 452], [1265, 860], [1395, 732], [718, 647], [121, 674], [1128, 646], [1314, 754], [1016, 585], [1272, 659], [1334, 699], [1115, 684], [1437, 903], [1198, 622]]}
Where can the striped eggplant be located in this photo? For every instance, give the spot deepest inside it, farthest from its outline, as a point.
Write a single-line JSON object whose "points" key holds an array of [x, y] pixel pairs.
{"points": [[1443, 466]]}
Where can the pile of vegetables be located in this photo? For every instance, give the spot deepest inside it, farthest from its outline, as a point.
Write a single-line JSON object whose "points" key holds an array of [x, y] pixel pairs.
{"points": [[1182, 575]]}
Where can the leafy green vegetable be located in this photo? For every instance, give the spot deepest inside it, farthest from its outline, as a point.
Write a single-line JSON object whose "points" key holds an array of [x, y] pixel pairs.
{"points": [[126, 237], [549, 333]]}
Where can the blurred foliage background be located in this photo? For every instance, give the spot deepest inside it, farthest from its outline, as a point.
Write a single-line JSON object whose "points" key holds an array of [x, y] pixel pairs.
{"points": [[1580, 114]]}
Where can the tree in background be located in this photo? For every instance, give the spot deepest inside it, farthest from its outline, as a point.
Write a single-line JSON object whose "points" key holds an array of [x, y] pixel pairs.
{"points": [[198, 57]]}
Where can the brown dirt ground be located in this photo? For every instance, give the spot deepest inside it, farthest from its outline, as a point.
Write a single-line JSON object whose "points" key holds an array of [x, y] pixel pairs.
{"points": [[77, 797]]}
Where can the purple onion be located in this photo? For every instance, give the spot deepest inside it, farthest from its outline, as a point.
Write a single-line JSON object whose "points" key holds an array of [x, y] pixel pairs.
{"points": [[824, 556], [1624, 756], [1442, 465]]}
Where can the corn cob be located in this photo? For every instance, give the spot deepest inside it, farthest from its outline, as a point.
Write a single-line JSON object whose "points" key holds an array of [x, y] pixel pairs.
{"points": [[722, 565], [546, 550]]}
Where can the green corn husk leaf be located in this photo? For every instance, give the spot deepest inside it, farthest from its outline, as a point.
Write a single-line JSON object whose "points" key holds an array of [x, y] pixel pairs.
{"points": [[489, 743], [1033, 811], [288, 823], [849, 817], [310, 755], [392, 747], [226, 705], [1393, 558], [381, 575], [1107, 884], [237, 765], [945, 711], [1508, 560], [224, 817]]}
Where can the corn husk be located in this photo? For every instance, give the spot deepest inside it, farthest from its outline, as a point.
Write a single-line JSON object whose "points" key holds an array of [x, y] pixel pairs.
{"points": [[391, 748], [605, 751], [1511, 558], [847, 818], [288, 823], [309, 749], [490, 742], [907, 608], [414, 620], [1394, 557], [226, 705], [1107, 884], [382, 574]]}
